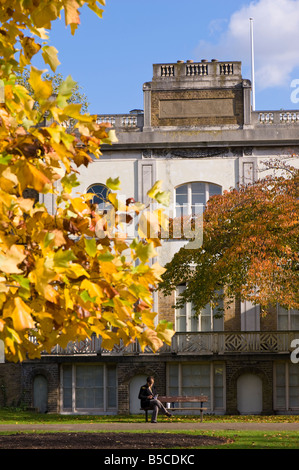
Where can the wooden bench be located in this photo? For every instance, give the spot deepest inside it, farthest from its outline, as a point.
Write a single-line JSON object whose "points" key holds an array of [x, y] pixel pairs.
{"points": [[173, 400]]}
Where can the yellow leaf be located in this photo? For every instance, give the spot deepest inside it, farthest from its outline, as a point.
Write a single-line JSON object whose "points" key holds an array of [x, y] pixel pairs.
{"points": [[165, 331], [149, 338], [107, 270], [113, 184], [80, 207], [148, 318], [109, 341], [145, 252], [30, 48], [113, 319], [122, 310], [50, 57], [41, 277], [10, 259], [20, 314], [72, 17], [29, 176], [158, 270], [75, 270], [117, 203], [42, 88], [73, 110], [155, 189], [160, 196], [94, 290], [44, 13], [68, 301]]}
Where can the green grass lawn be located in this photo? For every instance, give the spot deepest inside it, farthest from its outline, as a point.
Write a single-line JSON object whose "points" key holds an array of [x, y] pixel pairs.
{"points": [[238, 439], [258, 440], [10, 415]]}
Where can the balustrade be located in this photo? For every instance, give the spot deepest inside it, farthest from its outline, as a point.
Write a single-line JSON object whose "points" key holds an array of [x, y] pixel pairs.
{"points": [[275, 117], [196, 69], [226, 69], [193, 343], [167, 70], [122, 121]]}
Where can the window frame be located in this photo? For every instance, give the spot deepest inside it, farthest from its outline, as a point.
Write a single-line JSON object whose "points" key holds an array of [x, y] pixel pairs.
{"points": [[287, 386], [105, 201], [106, 390], [212, 398], [189, 204], [288, 315], [188, 316]]}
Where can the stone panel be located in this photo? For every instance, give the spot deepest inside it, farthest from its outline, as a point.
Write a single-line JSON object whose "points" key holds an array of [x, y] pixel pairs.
{"points": [[171, 109], [197, 107]]}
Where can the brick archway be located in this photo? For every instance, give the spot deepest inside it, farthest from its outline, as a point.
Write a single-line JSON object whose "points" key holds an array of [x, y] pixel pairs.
{"points": [[126, 372], [51, 374], [264, 374]]}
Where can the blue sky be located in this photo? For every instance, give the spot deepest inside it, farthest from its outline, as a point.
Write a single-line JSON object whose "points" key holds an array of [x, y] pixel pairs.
{"points": [[112, 57]]}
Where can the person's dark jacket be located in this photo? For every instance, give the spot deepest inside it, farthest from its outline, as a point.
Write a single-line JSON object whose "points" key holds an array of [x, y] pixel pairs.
{"points": [[144, 394]]}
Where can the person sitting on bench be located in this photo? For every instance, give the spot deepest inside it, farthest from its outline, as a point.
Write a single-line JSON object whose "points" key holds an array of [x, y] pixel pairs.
{"points": [[149, 399]]}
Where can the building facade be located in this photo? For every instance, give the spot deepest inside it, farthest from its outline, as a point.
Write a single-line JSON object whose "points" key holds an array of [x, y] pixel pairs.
{"points": [[198, 134]]}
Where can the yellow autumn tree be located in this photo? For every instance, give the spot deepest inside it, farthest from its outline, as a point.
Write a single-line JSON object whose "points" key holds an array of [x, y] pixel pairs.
{"points": [[71, 274]]}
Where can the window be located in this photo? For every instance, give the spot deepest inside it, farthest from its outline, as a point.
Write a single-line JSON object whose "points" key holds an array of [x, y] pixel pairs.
{"points": [[250, 316], [191, 198], [198, 379], [186, 319], [286, 390], [88, 387], [287, 319], [100, 195]]}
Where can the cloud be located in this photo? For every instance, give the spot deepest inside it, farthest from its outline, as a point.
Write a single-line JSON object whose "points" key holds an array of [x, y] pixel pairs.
{"points": [[276, 29]]}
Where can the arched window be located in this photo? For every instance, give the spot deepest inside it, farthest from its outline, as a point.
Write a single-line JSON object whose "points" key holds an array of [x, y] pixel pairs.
{"points": [[191, 198], [100, 195]]}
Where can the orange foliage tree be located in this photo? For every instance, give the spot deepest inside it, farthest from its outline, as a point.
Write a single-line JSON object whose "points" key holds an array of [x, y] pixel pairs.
{"points": [[250, 247]]}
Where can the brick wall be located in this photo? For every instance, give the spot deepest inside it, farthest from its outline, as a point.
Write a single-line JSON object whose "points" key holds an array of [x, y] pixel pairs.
{"points": [[10, 385], [232, 316], [165, 307], [269, 320]]}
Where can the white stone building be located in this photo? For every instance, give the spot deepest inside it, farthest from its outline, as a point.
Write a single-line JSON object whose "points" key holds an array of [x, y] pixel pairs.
{"points": [[198, 134]]}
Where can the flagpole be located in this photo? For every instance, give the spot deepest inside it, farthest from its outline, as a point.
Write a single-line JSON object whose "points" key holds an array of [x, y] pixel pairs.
{"points": [[252, 65]]}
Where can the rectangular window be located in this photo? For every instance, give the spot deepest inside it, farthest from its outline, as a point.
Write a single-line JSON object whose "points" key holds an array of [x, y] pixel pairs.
{"points": [[218, 386], [250, 316], [67, 387], [286, 392], [194, 379], [287, 319], [186, 319], [293, 386], [88, 387], [280, 386]]}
